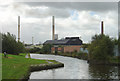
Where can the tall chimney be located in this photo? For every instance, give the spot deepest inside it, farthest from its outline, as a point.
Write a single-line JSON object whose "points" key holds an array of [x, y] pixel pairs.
{"points": [[18, 28], [102, 29], [53, 29], [32, 40]]}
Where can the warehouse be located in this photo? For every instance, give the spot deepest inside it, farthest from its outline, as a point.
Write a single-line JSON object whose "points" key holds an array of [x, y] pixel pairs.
{"points": [[69, 44]]}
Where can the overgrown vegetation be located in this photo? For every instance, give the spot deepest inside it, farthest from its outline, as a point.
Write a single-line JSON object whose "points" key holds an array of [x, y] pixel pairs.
{"points": [[101, 48], [10, 45], [34, 50], [80, 55], [85, 45], [46, 49]]}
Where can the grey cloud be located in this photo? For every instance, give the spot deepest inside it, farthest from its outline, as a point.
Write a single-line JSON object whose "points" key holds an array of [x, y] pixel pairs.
{"points": [[119, 18], [92, 6], [61, 9], [27, 11], [50, 12]]}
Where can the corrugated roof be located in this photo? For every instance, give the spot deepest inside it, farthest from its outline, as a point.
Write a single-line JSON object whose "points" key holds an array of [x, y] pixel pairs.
{"points": [[66, 41], [57, 42]]}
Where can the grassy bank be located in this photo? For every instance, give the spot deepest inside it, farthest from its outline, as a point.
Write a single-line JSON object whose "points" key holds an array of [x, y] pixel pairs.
{"points": [[17, 66]]}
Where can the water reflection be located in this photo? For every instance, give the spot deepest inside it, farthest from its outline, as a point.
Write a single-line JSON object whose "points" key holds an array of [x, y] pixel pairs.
{"points": [[75, 69], [119, 72], [103, 71]]}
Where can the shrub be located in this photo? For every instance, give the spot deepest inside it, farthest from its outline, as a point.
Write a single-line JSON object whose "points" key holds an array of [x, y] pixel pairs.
{"points": [[101, 48], [46, 48]]}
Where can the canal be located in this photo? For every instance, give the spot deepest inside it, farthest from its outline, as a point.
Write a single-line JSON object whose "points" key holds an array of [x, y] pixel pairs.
{"points": [[74, 69]]}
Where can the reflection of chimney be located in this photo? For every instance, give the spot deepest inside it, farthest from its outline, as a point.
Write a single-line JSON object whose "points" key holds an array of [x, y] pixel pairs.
{"points": [[102, 29], [53, 29], [18, 28]]}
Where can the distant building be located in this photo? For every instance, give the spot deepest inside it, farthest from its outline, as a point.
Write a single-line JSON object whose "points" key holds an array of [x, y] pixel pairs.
{"points": [[29, 46], [84, 50], [56, 37], [69, 44]]}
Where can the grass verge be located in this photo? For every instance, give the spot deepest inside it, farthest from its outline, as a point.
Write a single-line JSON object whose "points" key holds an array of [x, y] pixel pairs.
{"points": [[17, 66]]}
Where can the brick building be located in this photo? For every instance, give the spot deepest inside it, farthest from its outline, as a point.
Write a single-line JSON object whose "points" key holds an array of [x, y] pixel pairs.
{"points": [[69, 44]]}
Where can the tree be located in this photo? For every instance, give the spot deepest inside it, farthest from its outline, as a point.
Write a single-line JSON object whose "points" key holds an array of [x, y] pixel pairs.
{"points": [[46, 48], [10, 45], [85, 45], [115, 41], [119, 46], [101, 48], [34, 50]]}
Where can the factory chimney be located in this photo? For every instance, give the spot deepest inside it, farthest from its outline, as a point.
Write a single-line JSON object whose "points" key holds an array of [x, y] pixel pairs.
{"points": [[102, 28], [18, 28], [32, 41], [53, 29]]}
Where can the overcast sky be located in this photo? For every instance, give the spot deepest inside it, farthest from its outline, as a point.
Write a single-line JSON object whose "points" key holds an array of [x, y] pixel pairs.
{"points": [[80, 19]]}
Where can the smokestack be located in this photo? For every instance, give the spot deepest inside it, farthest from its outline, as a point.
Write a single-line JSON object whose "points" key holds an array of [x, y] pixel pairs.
{"points": [[32, 40], [102, 30], [18, 28], [53, 29]]}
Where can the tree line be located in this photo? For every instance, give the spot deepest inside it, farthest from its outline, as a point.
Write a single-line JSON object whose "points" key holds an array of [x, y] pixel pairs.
{"points": [[10, 45], [46, 49]]}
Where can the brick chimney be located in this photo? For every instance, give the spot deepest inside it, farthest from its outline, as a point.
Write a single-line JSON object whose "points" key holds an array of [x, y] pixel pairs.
{"points": [[53, 29], [18, 28], [102, 28]]}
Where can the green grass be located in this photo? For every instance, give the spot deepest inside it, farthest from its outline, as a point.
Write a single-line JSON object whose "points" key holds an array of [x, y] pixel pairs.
{"points": [[17, 66]]}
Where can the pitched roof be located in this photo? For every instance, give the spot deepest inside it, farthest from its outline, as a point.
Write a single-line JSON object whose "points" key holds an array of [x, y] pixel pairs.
{"points": [[57, 42], [66, 41]]}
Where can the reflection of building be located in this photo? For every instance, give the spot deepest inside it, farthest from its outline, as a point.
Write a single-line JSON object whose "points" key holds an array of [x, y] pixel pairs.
{"points": [[69, 44]]}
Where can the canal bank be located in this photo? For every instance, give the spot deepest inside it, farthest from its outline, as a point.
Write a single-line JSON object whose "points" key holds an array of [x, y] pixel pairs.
{"points": [[39, 68], [93, 62], [19, 68]]}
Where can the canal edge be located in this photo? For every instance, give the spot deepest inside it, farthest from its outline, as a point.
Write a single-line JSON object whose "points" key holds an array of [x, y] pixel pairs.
{"points": [[40, 67]]}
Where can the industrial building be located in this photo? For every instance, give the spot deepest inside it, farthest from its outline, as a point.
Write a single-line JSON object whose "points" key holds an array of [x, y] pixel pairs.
{"points": [[69, 44]]}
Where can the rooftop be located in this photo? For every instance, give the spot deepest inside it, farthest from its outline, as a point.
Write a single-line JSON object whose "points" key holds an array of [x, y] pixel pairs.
{"points": [[66, 41]]}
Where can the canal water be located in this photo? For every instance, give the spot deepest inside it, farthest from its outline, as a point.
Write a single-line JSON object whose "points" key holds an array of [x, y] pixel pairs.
{"points": [[74, 69]]}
